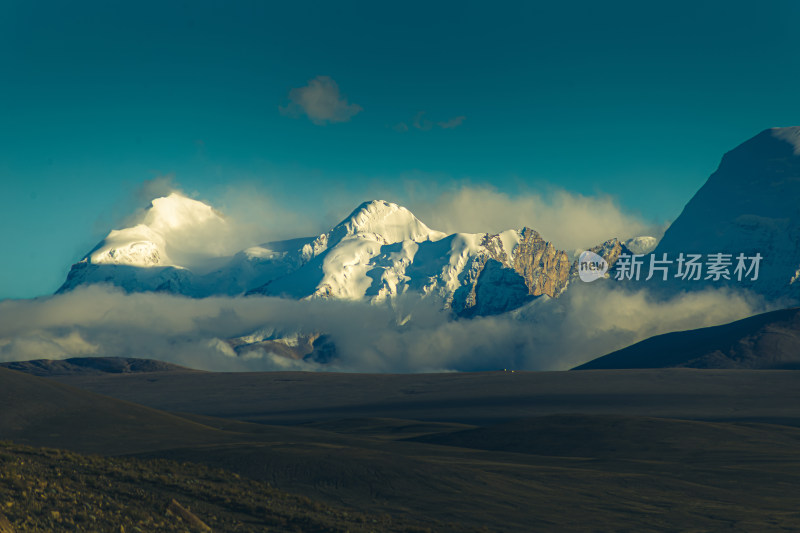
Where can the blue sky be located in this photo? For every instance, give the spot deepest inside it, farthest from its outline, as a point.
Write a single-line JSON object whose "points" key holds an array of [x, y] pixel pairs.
{"points": [[638, 100]]}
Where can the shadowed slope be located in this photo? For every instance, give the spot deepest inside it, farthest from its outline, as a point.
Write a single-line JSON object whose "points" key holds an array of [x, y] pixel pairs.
{"points": [[767, 341]]}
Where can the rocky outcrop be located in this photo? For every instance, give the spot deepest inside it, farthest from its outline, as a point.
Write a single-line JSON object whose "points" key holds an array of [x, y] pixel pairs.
{"points": [[544, 269], [500, 280], [609, 250], [313, 347]]}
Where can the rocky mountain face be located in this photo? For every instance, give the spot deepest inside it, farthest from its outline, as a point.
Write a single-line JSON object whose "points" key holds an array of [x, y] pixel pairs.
{"points": [[499, 280], [544, 269], [381, 250]]}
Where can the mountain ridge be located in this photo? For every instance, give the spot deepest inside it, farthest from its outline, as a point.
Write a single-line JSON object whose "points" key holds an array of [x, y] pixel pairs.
{"points": [[378, 252]]}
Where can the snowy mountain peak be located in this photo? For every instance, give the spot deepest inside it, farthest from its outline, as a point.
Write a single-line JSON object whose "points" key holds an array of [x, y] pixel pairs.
{"points": [[790, 135], [137, 246], [641, 245], [163, 226], [385, 222]]}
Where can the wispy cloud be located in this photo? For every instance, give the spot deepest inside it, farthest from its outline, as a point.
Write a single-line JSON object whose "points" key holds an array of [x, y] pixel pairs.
{"points": [[321, 102], [422, 123], [452, 123], [571, 221]]}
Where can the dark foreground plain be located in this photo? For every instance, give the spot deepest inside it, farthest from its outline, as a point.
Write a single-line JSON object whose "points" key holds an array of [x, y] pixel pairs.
{"points": [[636, 450], [478, 398]]}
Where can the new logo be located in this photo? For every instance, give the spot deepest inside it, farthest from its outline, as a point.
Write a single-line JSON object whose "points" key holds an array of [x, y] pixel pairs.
{"points": [[591, 266]]}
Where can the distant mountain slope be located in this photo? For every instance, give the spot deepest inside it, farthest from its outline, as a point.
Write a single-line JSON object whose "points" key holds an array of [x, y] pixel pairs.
{"points": [[92, 365], [767, 341], [749, 206]]}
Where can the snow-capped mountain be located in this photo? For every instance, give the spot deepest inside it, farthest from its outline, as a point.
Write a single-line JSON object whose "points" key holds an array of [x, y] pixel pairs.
{"points": [[145, 244], [750, 206], [363, 255], [641, 245], [154, 254], [381, 250]]}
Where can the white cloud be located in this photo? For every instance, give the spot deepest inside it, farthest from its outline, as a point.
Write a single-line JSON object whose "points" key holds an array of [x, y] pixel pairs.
{"points": [[321, 102], [421, 123], [571, 221], [452, 123], [595, 319], [589, 321], [257, 216]]}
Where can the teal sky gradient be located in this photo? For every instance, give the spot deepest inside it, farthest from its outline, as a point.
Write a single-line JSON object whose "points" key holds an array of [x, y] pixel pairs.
{"points": [[634, 99]]}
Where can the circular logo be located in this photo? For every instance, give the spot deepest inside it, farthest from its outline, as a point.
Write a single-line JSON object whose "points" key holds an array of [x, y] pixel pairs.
{"points": [[591, 266]]}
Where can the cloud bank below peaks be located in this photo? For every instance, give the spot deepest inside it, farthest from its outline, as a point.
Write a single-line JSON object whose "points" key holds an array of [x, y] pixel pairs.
{"points": [[588, 321]]}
